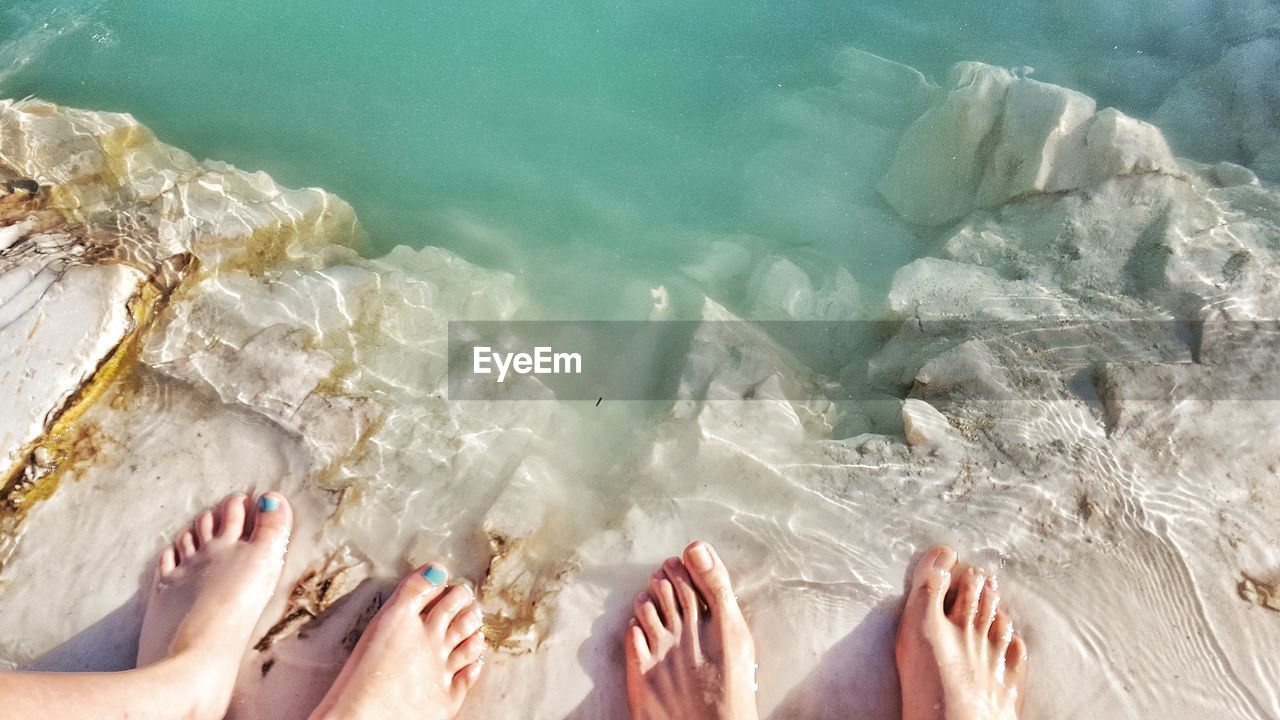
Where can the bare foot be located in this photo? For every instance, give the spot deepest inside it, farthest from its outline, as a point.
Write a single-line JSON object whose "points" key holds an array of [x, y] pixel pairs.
{"points": [[689, 652], [418, 657], [209, 591], [958, 656]]}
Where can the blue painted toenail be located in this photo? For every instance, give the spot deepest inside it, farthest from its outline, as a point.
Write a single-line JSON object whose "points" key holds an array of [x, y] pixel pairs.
{"points": [[267, 504], [435, 575]]}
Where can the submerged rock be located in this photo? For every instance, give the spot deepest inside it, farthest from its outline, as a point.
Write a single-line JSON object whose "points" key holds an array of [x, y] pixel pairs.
{"points": [[925, 427], [994, 137], [1231, 109]]}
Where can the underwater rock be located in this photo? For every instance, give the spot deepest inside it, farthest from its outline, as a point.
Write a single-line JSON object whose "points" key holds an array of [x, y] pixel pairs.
{"points": [[1231, 109], [995, 137], [940, 157], [79, 315], [925, 427], [886, 92], [933, 290], [780, 290]]}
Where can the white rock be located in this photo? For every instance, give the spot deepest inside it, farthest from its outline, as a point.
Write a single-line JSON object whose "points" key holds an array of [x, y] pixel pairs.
{"points": [[1040, 143], [927, 428], [940, 158], [993, 138], [57, 329], [1119, 145], [780, 290], [932, 290]]}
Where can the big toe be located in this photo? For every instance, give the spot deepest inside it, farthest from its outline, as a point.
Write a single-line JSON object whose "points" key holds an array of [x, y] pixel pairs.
{"points": [[272, 521], [932, 579], [711, 577], [419, 588]]}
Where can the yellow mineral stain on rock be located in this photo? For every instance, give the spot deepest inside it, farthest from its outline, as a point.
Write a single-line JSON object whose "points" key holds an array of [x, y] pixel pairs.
{"points": [[67, 442]]}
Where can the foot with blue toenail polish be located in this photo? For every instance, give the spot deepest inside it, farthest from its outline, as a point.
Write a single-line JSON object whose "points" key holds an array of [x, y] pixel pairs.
{"points": [[418, 657]]}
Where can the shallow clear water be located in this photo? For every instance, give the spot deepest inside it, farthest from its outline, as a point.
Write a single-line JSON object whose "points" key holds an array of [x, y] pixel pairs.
{"points": [[593, 148]]}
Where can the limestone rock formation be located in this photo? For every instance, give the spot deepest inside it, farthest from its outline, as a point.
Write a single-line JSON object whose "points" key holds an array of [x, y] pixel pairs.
{"points": [[994, 137]]}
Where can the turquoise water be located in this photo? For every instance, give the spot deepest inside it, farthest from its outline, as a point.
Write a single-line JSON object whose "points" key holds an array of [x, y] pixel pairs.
{"points": [[593, 148]]}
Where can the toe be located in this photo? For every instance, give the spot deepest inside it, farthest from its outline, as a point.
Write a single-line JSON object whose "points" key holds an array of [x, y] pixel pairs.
{"points": [[710, 577], [441, 615], [938, 558], [968, 595], [463, 626], [468, 652], [647, 616], [168, 561], [1001, 632], [987, 606], [186, 545], [204, 528], [662, 589], [419, 588], [932, 579], [686, 594], [465, 679], [1015, 658], [272, 520], [637, 647], [231, 515]]}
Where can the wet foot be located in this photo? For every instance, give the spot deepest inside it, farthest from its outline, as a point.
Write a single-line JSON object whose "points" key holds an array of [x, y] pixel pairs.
{"points": [[958, 656], [210, 590], [689, 652], [418, 657]]}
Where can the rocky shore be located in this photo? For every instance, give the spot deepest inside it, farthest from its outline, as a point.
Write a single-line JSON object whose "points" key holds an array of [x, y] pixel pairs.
{"points": [[1086, 372]]}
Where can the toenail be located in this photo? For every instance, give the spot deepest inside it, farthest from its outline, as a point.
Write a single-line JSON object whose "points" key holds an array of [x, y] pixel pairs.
{"points": [[701, 558], [266, 503], [943, 560], [435, 575]]}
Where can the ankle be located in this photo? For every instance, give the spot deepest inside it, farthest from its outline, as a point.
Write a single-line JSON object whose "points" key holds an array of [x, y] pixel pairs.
{"points": [[197, 691]]}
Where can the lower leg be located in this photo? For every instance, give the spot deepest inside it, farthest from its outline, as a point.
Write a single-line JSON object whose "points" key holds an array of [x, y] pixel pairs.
{"points": [[161, 691]]}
